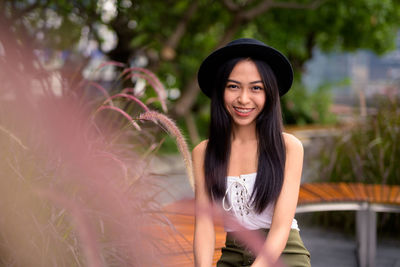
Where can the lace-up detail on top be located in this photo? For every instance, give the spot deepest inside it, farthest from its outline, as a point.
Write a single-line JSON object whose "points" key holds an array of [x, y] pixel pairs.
{"points": [[237, 202], [239, 196]]}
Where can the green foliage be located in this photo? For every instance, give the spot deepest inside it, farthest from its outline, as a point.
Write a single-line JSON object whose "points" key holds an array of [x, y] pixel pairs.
{"points": [[301, 106], [368, 151], [147, 27]]}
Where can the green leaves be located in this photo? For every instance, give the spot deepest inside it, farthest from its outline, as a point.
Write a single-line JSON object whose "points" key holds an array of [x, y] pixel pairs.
{"points": [[368, 151], [196, 28]]}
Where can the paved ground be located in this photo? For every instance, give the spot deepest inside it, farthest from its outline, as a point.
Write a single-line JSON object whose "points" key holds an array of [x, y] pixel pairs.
{"points": [[333, 249], [327, 248]]}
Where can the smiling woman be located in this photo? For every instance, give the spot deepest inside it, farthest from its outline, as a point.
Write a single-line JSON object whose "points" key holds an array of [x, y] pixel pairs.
{"points": [[248, 166]]}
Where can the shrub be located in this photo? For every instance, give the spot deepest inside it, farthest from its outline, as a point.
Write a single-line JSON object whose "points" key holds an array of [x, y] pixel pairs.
{"points": [[366, 152], [301, 106]]}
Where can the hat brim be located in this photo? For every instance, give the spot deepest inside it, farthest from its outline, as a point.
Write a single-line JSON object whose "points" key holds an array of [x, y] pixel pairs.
{"points": [[279, 64]]}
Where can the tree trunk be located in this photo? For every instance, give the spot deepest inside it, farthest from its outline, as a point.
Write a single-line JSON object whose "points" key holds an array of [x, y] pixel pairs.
{"points": [[186, 102]]}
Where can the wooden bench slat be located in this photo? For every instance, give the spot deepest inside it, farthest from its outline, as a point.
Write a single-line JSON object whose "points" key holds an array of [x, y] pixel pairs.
{"points": [[397, 199], [315, 189], [378, 193], [385, 192], [394, 192], [370, 192], [335, 193], [306, 197], [347, 192], [359, 192], [183, 260]]}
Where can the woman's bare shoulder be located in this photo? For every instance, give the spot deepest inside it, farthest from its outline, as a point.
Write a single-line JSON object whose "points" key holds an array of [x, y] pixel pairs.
{"points": [[292, 142], [199, 150], [198, 155]]}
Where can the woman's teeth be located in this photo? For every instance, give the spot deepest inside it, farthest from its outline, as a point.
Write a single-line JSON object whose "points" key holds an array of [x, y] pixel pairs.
{"points": [[243, 110]]}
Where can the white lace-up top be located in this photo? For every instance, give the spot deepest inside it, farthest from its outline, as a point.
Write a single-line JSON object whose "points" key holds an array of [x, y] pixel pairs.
{"points": [[237, 202]]}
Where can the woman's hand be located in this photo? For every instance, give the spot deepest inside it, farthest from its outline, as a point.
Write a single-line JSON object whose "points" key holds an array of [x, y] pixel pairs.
{"points": [[261, 261]]}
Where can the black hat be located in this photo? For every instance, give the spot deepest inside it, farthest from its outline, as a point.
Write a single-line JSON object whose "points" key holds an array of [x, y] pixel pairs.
{"points": [[246, 47]]}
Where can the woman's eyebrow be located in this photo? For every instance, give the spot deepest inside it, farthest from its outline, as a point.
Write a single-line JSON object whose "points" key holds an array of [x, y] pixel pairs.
{"points": [[233, 81]]}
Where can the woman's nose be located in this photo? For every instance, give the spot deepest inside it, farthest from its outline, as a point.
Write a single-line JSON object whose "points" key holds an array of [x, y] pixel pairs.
{"points": [[243, 97]]}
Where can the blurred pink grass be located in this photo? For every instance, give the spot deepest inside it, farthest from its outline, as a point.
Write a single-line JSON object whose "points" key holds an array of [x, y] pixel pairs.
{"points": [[105, 188], [102, 90], [130, 97], [87, 236], [13, 137], [123, 113], [154, 82], [169, 126], [111, 63]]}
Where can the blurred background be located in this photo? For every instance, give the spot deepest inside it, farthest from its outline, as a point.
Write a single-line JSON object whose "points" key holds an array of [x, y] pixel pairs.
{"points": [[344, 104]]}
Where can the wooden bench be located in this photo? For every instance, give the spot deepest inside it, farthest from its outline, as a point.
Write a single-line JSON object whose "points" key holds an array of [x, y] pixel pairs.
{"points": [[365, 199]]}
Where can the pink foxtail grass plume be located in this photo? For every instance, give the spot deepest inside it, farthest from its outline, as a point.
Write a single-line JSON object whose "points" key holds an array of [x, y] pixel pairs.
{"points": [[159, 90], [148, 101], [111, 63], [128, 90], [117, 160], [151, 100], [146, 71], [170, 127], [13, 137], [73, 168], [83, 226], [111, 218], [152, 80], [103, 90], [130, 97], [126, 115]]}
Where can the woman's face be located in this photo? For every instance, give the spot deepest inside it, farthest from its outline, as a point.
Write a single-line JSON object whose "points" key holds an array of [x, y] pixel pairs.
{"points": [[244, 94]]}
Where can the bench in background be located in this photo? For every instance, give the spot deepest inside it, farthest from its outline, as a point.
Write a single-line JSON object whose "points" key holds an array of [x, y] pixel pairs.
{"points": [[366, 200]]}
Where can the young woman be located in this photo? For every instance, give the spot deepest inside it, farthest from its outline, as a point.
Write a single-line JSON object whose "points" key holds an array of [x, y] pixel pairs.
{"points": [[248, 166]]}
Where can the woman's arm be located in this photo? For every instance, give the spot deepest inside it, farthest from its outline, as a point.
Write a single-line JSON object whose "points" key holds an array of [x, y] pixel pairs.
{"points": [[285, 206], [204, 234]]}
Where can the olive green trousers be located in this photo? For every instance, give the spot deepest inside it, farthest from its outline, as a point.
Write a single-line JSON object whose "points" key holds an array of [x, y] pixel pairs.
{"points": [[235, 254]]}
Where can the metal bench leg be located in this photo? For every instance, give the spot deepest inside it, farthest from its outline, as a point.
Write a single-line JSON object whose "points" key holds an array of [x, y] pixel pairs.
{"points": [[362, 237], [371, 238]]}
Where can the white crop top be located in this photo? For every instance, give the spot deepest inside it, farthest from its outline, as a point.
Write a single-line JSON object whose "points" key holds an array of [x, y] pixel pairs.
{"points": [[237, 201]]}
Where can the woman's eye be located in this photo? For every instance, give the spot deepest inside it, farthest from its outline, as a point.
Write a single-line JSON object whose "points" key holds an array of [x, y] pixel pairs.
{"points": [[232, 86], [257, 88]]}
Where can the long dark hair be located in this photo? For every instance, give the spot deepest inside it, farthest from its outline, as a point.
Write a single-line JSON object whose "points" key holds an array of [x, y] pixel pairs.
{"points": [[271, 147]]}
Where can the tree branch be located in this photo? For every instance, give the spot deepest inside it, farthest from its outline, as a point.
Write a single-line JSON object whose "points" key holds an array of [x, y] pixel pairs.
{"points": [[257, 10], [233, 7], [230, 5], [168, 51], [267, 4], [293, 5], [28, 9], [185, 102]]}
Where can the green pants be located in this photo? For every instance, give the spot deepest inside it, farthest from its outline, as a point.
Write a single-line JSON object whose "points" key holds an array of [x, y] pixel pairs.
{"points": [[235, 254]]}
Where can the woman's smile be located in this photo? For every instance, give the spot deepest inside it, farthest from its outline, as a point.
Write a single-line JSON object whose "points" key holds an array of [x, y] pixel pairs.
{"points": [[243, 111]]}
